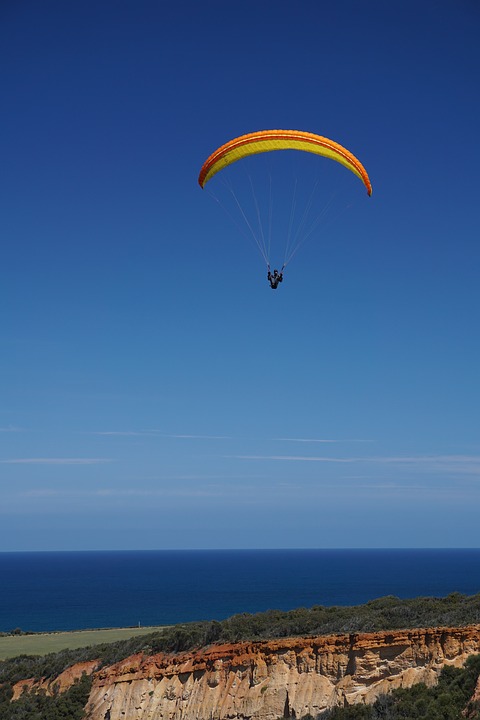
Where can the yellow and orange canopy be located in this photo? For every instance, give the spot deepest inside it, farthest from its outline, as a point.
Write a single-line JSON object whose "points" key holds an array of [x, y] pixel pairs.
{"points": [[268, 140]]}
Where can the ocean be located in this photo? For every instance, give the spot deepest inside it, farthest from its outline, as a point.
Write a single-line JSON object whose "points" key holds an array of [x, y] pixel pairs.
{"points": [[47, 591]]}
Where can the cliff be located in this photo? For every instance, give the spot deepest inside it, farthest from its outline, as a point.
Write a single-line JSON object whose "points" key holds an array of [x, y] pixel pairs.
{"points": [[266, 680], [58, 684]]}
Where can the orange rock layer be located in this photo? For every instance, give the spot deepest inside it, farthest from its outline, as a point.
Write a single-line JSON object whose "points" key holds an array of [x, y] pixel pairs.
{"points": [[289, 677], [58, 684]]}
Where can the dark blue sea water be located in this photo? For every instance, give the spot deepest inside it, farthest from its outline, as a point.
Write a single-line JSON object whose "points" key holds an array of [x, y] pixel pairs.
{"points": [[75, 590]]}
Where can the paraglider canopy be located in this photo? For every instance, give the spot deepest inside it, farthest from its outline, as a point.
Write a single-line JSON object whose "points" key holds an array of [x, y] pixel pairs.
{"points": [[269, 140], [300, 200]]}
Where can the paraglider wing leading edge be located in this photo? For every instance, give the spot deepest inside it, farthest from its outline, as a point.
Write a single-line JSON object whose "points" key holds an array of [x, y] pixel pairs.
{"points": [[270, 140]]}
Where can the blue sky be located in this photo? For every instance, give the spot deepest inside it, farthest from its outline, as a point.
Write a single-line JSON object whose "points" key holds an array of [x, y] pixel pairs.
{"points": [[154, 392]]}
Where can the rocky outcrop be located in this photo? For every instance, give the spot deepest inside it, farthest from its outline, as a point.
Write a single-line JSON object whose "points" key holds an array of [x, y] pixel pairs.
{"points": [[285, 678], [58, 684]]}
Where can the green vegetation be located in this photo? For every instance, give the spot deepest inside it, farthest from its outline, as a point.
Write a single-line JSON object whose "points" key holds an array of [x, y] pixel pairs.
{"points": [[445, 701], [38, 706], [20, 643], [388, 613]]}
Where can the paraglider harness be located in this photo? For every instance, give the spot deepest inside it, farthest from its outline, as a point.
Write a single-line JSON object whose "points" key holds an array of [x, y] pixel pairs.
{"points": [[275, 277]]}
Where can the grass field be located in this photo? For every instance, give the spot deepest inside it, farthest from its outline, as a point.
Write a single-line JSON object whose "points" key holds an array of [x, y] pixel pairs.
{"points": [[44, 643]]}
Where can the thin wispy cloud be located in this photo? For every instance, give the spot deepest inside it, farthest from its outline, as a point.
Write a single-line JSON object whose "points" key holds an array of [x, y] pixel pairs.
{"points": [[199, 437], [122, 433], [56, 461], [157, 433], [245, 494], [322, 440], [161, 492], [445, 463], [429, 458], [193, 477], [306, 440], [10, 429], [294, 458], [98, 493]]}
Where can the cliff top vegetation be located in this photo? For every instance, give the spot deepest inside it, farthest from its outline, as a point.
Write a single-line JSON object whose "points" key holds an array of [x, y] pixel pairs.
{"points": [[387, 613]]}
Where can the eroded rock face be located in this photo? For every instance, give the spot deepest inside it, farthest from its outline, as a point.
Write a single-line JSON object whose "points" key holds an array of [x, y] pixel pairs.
{"points": [[291, 677], [58, 684], [288, 678]]}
